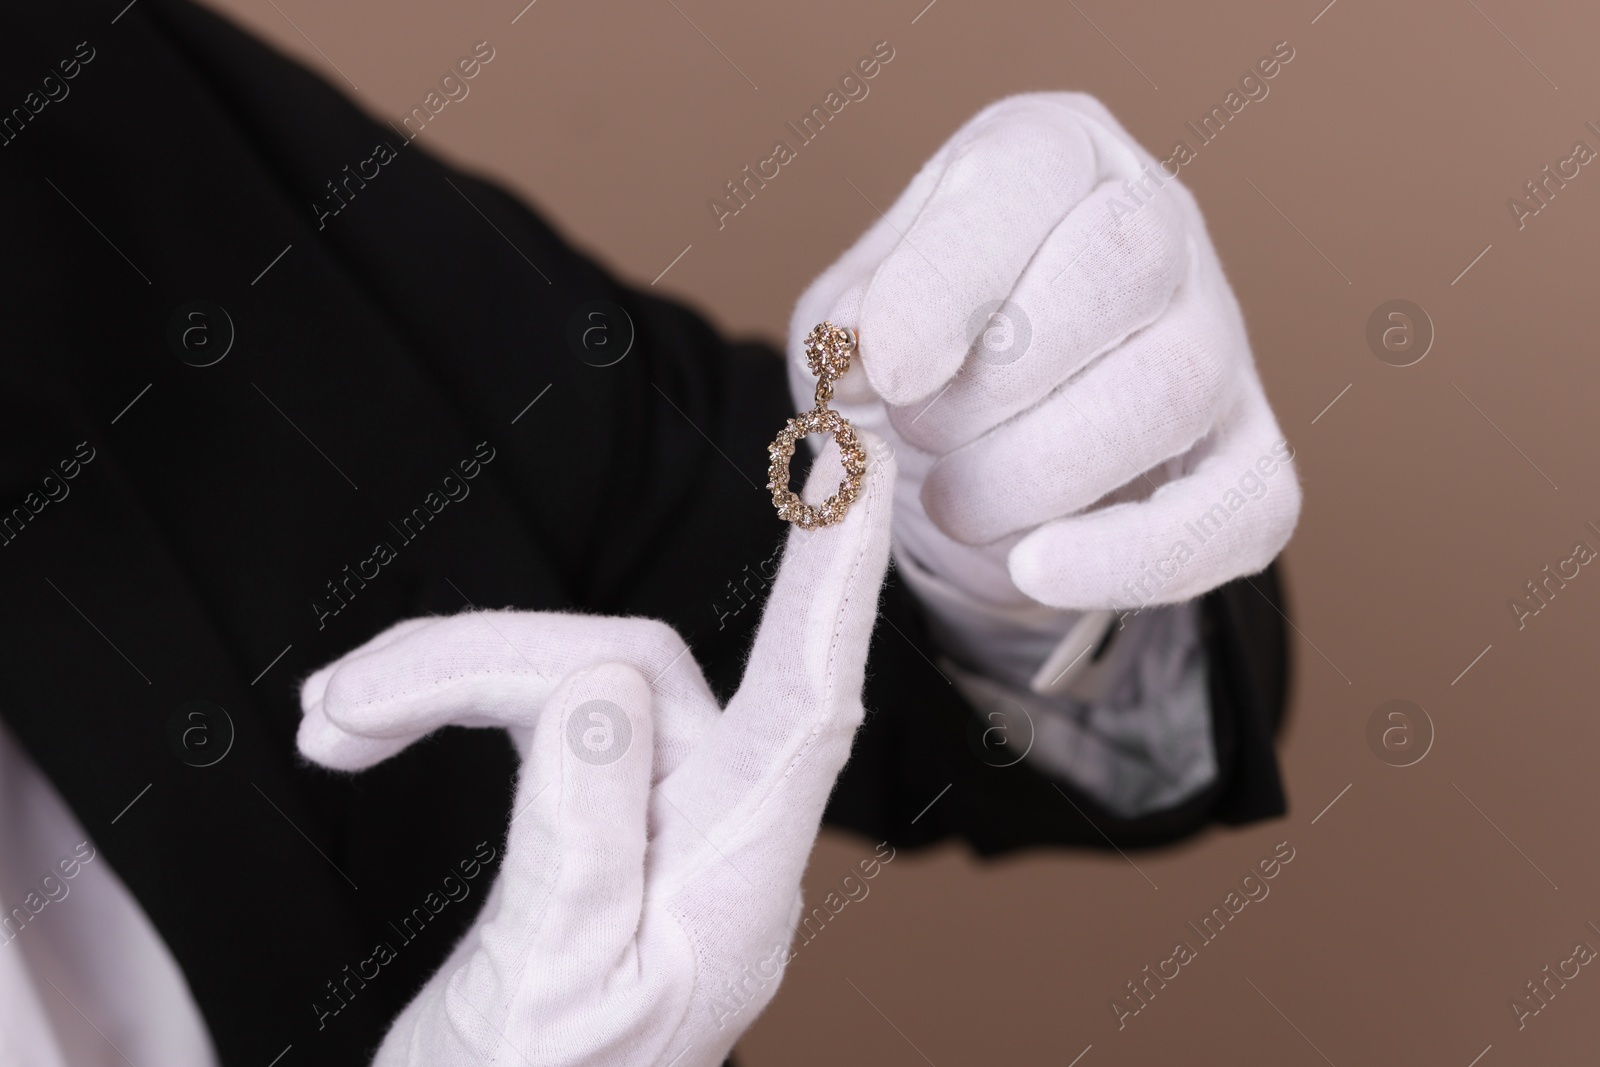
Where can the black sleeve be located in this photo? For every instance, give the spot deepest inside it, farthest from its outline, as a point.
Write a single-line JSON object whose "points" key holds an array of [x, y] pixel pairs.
{"points": [[276, 379], [920, 772]]}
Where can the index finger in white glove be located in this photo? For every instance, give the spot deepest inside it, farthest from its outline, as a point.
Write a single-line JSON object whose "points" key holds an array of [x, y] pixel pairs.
{"points": [[787, 732], [313, 687], [494, 668], [737, 820], [1228, 516], [325, 743]]}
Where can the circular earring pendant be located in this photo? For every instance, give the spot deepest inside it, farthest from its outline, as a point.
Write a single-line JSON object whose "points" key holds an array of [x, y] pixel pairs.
{"points": [[828, 349]]}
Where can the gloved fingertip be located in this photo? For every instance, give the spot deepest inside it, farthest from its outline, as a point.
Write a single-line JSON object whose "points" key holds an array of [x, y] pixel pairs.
{"points": [[316, 685], [902, 376], [325, 744], [605, 718], [1042, 572]]}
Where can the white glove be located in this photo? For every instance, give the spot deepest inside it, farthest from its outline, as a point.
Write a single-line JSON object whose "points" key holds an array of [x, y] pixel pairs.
{"points": [[1101, 439], [652, 868]]}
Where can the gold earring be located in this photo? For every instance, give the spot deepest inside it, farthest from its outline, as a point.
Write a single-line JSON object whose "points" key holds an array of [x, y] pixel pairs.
{"points": [[828, 349]]}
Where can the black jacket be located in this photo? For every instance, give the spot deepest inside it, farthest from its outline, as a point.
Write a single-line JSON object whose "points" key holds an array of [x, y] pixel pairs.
{"points": [[218, 536]]}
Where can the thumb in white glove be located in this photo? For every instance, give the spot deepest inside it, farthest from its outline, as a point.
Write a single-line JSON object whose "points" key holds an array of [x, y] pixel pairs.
{"points": [[654, 856]]}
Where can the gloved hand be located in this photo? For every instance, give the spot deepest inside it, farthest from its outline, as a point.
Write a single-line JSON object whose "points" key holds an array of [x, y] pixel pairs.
{"points": [[652, 868], [1049, 344]]}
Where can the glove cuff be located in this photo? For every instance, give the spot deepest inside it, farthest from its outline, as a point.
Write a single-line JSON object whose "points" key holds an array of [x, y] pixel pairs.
{"points": [[1013, 644]]}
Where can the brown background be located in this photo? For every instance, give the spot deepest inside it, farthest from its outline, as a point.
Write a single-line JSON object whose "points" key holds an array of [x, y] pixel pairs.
{"points": [[1392, 141]]}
